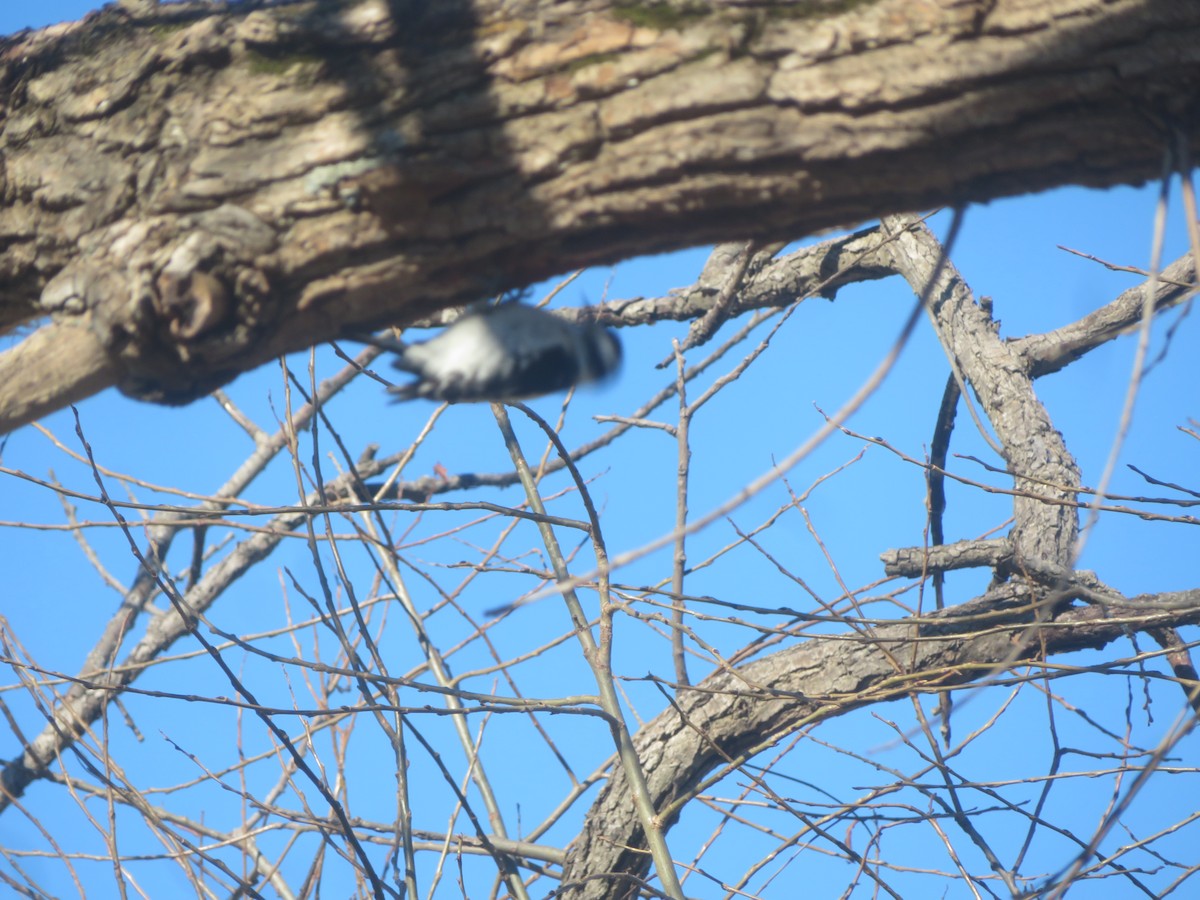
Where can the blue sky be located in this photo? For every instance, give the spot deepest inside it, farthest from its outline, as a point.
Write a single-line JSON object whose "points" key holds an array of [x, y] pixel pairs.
{"points": [[1008, 250], [15, 16]]}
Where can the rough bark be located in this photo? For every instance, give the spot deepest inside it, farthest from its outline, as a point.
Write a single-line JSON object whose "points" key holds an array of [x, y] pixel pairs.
{"points": [[202, 188], [727, 718], [1045, 476]]}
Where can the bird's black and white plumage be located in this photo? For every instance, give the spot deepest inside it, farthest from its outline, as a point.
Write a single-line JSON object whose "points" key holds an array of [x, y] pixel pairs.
{"points": [[506, 353]]}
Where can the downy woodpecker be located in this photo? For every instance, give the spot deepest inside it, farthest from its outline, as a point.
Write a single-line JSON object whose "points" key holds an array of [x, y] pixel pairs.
{"points": [[505, 353]]}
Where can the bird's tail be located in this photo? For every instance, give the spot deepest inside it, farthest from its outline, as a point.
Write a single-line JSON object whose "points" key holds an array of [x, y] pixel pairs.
{"points": [[402, 392]]}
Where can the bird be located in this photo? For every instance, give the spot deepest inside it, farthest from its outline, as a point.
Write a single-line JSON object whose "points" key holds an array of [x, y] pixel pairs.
{"points": [[504, 353]]}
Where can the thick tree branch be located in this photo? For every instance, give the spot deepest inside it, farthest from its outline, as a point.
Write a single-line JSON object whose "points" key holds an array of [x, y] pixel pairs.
{"points": [[205, 187], [733, 714]]}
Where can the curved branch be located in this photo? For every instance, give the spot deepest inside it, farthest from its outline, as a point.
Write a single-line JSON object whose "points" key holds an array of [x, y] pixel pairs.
{"points": [[735, 713], [1043, 533]]}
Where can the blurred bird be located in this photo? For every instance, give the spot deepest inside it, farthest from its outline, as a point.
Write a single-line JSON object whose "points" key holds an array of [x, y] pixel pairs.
{"points": [[504, 353]]}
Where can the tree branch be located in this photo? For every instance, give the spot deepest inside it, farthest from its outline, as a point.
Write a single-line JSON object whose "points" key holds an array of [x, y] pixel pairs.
{"points": [[237, 183], [736, 713]]}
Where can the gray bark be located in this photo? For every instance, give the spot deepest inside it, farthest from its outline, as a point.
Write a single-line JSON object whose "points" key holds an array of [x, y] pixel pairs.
{"points": [[724, 720]]}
